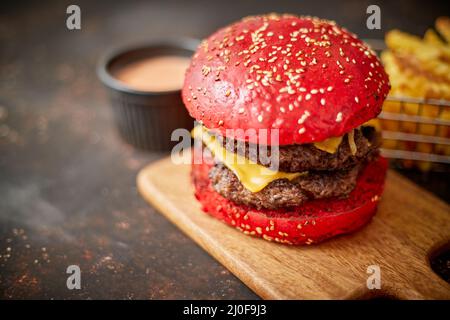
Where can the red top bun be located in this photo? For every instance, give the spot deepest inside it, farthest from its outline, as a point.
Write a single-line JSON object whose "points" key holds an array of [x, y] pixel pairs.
{"points": [[305, 76]]}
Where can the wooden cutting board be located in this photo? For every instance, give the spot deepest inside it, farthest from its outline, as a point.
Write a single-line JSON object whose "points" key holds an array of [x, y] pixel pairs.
{"points": [[410, 224]]}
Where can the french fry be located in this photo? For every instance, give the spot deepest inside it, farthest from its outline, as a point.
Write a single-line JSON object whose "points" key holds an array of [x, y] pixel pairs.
{"points": [[443, 26], [399, 41], [431, 37]]}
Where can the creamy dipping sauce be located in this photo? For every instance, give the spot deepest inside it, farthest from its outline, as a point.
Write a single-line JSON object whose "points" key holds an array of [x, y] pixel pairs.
{"points": [[154, 74]]}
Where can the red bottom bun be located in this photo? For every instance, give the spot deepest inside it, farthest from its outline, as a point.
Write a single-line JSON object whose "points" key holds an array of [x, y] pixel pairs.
{"points": [[313, 222]]}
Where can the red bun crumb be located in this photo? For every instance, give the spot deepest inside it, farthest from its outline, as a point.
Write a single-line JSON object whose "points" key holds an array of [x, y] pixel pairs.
{"points": [[312, 222], [305, 76]]}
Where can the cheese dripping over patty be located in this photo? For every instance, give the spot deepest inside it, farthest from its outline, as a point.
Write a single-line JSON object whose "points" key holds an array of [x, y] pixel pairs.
{"points": [[331, 145], [253, 176]]}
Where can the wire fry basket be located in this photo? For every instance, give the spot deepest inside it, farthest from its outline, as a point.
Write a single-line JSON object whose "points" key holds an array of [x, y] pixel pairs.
{"points": [[416, 132]]}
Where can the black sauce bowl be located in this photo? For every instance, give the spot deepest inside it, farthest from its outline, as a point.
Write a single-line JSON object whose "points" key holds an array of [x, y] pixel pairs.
{"points": [[146, 119]]}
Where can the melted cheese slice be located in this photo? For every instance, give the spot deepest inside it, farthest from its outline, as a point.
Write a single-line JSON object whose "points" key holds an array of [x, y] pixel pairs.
{"points": [[253, 176], [331, 145]]}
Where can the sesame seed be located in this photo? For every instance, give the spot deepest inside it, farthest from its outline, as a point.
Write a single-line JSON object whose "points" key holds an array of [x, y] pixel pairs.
{"points": [[301, 130], [314, 91], [356, 99], [330, 88], [205, 70], [228, 93], [304, 116], [339, 117], [322, 101], [308, 96], [260, 118], [220, 122]]}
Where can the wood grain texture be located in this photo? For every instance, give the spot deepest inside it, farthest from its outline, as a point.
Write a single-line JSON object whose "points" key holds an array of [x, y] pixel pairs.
{"points": [[410, 223]]}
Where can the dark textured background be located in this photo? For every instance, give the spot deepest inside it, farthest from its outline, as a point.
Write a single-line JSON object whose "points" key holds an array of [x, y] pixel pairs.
{"points": [[67, 182]]}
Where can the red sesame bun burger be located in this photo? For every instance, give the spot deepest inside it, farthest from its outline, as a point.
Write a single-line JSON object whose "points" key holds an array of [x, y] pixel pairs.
{"points": [[287, 145]]}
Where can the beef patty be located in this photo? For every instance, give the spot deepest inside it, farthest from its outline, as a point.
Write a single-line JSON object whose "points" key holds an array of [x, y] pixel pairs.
{"points": [[283, 193], [298, 158]]}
